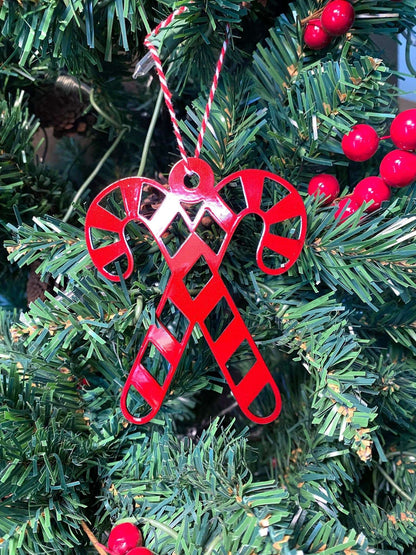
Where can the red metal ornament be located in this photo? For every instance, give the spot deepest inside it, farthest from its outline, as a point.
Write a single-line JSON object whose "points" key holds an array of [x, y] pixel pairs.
{"points": [[197, 309]]}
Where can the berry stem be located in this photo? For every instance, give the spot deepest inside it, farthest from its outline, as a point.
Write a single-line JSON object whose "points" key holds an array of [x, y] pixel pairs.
{"points": [[385, 137], [390, 480], [315, 15], [97, 545]]}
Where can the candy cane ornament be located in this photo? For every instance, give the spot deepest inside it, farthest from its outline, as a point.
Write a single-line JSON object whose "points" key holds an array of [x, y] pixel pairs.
{"points": [[196, 309]]}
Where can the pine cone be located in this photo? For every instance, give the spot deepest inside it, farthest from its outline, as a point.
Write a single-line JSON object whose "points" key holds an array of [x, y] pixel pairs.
{"points": [[60, 104], [35, 288]]}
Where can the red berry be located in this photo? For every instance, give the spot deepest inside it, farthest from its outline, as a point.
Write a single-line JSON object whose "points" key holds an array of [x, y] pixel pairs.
{"points": [[314, 36], [140, 551], [337, 17], [324, 184], [350, 205], [361, 143], [398, 168], [371, 188], [403, 130], [123, 538]]}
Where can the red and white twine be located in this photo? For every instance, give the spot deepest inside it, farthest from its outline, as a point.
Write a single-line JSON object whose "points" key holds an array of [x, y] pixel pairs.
{"points": [[168, 95]]}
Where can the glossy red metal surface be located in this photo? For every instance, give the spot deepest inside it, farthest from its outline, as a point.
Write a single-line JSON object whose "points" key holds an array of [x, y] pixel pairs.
{"points": [[196, 309]]}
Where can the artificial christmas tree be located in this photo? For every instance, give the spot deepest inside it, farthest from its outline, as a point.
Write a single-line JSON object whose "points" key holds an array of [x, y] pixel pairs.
{"points": [[336, 471]]}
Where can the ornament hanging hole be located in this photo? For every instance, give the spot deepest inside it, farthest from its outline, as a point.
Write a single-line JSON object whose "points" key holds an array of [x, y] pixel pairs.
{"points": [[191, 180]]}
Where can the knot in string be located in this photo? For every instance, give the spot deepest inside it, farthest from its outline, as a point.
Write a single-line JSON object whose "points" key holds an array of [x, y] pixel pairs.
{"points": [[168, 95]]}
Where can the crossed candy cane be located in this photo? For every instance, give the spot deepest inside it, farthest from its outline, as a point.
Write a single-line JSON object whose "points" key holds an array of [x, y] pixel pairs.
{"points": [[197, 309]]}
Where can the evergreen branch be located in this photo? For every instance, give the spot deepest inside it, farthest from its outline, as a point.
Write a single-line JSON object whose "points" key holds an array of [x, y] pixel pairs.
{"points": [[311, 104], [393, 526], [144, 18], [233, 125], [376, 255], [336, 331], [393, 483]]}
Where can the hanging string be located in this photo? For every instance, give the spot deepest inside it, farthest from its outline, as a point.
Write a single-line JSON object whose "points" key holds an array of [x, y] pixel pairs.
{"points": [[212, 92], [168, 95], [163, 83]]}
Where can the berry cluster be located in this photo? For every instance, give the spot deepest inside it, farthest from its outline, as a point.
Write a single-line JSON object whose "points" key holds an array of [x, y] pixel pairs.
{"points": [[336, 19], [126, 539], [397, 169]]}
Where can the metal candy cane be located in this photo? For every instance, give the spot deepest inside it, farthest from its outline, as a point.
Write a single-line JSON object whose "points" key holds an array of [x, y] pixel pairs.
{"points": [[197, 308]]}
